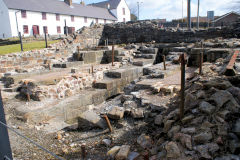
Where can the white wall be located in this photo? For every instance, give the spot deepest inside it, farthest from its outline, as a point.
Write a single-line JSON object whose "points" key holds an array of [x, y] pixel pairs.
{"points": [[120, 15], [35, 18], [5, 30]]}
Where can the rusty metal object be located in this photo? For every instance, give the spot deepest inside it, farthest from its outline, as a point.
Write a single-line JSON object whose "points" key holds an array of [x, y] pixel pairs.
{"points": [[230, 67], [108, 123], [113, 55], [182, 86], [164, 62]]}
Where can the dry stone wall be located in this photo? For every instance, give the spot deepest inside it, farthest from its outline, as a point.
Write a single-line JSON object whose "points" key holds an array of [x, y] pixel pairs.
{"points": [[147, 31]]}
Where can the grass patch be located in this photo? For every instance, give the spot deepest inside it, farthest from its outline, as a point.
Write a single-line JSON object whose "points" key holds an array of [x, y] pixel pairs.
{"points": [[26, 47]]}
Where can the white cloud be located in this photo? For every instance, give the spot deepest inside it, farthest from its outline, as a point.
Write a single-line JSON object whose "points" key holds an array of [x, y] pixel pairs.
{"points": [[172, 9]]}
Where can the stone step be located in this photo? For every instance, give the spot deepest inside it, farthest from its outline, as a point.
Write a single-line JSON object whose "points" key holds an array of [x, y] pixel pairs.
{"points": [[10, 89], [143, 62], [67, 109], [108, 84], [149, 50], [68, 64], [146, 56], [124, 73], [2, 86]]}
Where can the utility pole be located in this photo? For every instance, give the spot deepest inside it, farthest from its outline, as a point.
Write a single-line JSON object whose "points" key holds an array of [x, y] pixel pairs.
{"points": [[182, 11], [138, 4], [198, 14], [189, 14]]}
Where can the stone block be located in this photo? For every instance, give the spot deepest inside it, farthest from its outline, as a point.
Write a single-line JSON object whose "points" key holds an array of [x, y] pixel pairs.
{"points": [[116, 113], [123, 152], [90, 119]]}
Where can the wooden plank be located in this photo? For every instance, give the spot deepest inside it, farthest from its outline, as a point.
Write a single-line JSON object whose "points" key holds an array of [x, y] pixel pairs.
{"points": [[233, 60], [230, 67]]}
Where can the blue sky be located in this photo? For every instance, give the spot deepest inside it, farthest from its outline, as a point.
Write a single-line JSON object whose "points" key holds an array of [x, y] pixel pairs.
{"points": [[172, 9]]}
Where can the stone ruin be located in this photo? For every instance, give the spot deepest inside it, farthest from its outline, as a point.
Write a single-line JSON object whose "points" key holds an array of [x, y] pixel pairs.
{"points": [[67, 89]]}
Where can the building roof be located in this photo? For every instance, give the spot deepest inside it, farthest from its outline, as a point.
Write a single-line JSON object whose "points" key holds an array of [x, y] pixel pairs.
{"points": [[113, 4], [60, 7], [225, 15]]}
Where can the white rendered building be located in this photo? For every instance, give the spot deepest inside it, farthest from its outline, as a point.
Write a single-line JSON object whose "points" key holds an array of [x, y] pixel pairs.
{"points": [[119, 8], [33, 17]]}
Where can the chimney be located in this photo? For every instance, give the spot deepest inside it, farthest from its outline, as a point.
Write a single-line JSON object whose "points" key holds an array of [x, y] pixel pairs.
{"points": [[69, 2], [108, 6]]}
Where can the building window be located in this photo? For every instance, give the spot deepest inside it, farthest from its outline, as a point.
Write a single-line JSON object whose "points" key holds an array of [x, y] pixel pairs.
{"points": [[57, 17], [71, 30], [44, 16], [45, 29], [105, 21], [124, 11], [97, 20], [24, 13], [85, 19], [124, 19], [25, 29], [72, 18], [58, 29]]}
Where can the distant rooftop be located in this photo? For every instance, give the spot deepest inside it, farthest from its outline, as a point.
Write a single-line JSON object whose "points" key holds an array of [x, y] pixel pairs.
{"points": [[60, 7], [113, 4]]}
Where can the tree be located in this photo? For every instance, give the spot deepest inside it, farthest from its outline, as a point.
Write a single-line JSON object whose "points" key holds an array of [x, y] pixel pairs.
{"points": [[133, 11], [133, 17]]}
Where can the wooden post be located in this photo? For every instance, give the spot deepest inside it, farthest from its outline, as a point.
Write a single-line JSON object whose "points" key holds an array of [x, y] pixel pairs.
{"points": [[200, 63], [21, 43], [182, 86], [45, 33], [49, 66], [83, 148], [113, 55], [201, 59], [164, 62], [92, 69], [108, 123], [5, 149], [28, 97]]}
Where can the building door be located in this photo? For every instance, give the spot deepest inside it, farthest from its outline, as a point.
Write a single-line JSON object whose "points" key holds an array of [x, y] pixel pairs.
{"points": [[35, 30]]}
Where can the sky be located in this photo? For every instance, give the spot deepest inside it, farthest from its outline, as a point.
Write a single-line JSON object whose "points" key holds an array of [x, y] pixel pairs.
{"points": [[172, 9]]}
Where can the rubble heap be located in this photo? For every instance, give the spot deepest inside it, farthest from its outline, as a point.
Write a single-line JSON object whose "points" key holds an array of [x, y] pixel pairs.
{"points": [[208, 130]]}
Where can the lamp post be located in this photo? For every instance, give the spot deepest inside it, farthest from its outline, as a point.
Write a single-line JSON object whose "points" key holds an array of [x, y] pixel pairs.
{"points": [[198, 14], [189, 14], [138, 3], [19, 33]]}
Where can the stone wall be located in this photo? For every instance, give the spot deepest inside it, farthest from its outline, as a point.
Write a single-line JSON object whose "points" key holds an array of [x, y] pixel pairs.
{"points": [[147, 31]]}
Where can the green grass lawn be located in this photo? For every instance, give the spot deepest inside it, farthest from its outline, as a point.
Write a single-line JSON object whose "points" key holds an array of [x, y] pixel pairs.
{"points": [[26, 47]]}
